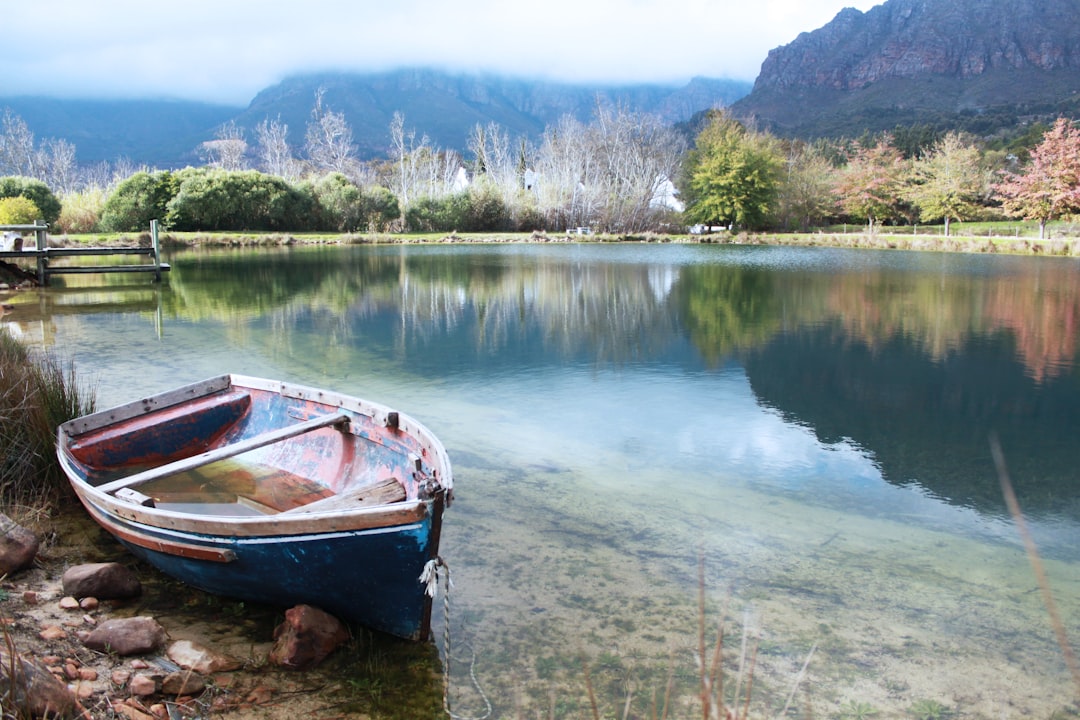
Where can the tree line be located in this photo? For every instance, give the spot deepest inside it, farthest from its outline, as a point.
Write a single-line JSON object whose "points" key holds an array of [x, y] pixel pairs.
{"points": [[621, 172]]}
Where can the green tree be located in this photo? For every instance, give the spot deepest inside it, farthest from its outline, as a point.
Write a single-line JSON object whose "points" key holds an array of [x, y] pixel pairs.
{"points": [[805, 192], [136, 201], [949, 181], [18, 211], [1049, 187], [341, 203], [869, 186], [34, 190], [212, 199], [381, 208], [732, 175]]}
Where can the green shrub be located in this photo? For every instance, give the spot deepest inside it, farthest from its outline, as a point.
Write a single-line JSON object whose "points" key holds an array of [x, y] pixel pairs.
{"points": [[35, 191], [213, 199], [18, 211], [136, 201]]}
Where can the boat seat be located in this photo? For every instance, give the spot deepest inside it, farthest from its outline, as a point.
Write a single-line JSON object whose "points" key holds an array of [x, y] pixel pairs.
{"points": [[381, 493]]}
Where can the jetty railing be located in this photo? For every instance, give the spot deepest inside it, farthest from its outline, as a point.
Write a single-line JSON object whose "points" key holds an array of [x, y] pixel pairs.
{"points": [[42, 253]]}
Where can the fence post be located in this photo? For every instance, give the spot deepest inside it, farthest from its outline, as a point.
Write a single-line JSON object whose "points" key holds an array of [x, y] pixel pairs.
{"points": [[157, 250], [42, 258]]}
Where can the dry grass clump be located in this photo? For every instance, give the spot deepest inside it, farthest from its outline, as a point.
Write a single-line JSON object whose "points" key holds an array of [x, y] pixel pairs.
{"points": [[38, 392]]}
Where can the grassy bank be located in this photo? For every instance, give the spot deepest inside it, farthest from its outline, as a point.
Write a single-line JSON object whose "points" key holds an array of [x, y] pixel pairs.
{"points": [[38, 392], [1062, 238]]}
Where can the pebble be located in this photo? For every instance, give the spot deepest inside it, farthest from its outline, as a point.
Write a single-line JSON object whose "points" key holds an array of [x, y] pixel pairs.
{"points": [[53, 632], [143, 685]]}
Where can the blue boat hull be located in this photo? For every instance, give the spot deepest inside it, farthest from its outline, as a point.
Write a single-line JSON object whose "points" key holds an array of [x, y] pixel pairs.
{"points": [[371, 577]]}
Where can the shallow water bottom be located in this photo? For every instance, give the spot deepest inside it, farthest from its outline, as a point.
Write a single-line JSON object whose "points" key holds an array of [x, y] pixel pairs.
{"points": [[552, 576]]}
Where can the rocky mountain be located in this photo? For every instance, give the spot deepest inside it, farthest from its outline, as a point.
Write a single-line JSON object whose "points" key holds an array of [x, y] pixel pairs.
{"points": [[442, 106], [913, 61]]}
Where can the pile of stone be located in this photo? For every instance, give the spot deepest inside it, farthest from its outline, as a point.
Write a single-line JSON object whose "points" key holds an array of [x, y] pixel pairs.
{"points": [[81, 658]]}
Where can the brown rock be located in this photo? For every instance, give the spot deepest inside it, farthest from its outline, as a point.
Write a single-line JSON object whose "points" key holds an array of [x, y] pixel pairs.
{"points": [[143, 685], [53, 632], [184, 682], [105, 581], [127, 636], [306, 637], [193, 656], [69, 603], [89, 603], [260, 695], [120, 677], [18, 546], [131, 712], [34, 692]]}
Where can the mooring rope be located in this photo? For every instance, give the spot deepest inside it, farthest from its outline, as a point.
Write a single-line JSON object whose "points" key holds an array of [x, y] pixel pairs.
{"points": [[430, 578]]}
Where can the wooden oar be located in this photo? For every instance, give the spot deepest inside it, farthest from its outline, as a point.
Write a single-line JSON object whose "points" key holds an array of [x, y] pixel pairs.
{"points": [[210, 456]]}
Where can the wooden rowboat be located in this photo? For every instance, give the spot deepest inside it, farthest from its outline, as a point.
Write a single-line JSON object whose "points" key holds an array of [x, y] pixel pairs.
{"points": [[273, 493]]}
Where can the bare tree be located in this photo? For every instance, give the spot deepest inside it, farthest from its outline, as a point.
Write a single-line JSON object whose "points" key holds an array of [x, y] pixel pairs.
{"points": [[417, 168], [329, 143], [57, 166], [495, 162], [274, 152], [228, 149], [613, 173], [17, 154]]}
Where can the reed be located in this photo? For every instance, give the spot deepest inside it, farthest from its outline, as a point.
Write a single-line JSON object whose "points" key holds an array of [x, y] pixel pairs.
{"points": [[38, 392]]}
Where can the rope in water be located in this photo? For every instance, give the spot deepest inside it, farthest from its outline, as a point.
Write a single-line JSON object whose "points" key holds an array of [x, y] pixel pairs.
{"points": [[430, 577]]}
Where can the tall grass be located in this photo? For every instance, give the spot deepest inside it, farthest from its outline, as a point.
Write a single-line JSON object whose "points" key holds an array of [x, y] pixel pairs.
{"points": [[38, 392]]}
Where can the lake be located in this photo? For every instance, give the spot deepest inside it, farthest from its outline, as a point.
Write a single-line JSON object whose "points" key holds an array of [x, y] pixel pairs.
{"points": [[796, 441]]}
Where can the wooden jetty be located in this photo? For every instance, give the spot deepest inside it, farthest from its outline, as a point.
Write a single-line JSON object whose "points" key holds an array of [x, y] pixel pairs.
{"points": [[42, 253]]}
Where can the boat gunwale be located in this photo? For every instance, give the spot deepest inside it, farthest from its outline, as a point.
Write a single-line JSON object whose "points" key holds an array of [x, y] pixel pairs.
{"points": [[279, 525]]}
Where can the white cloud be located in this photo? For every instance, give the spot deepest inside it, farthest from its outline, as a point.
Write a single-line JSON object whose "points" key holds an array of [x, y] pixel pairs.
{"points": [[226, 51]]}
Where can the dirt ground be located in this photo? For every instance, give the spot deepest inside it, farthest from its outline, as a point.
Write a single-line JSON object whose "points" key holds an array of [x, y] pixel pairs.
{"points": [[362, 679]]}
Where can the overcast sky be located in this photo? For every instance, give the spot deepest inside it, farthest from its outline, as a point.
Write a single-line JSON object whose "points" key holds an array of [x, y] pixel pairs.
{"points": [[225, 51]]}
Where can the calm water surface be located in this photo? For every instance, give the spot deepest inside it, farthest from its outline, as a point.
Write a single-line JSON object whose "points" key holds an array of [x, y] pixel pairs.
{"points": [[814, 425]]}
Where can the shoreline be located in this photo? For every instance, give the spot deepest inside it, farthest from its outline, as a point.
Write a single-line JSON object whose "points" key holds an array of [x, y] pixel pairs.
{"points": [[1054, 247]]}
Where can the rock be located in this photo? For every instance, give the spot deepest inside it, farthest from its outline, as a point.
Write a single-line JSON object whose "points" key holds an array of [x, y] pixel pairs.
{"points": [[18, 546], [69, 603], [33, 691], [260, 695], [183, 683], [104, 581], [127, 636], [306, 637], [89, 603], [53, 632], [192, 656], [143, 685], [131, 712]]}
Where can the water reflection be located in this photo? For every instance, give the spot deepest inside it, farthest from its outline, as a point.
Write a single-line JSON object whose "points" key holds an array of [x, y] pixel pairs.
{"points": [[815, 420]]}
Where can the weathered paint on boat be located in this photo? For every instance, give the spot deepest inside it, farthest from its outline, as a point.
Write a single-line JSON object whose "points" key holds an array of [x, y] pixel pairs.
{"points": [[344, 497]]}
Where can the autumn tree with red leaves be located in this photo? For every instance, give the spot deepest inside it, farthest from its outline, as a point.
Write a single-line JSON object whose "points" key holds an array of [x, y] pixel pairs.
{"points": [[1049, 187], [870, 185]]}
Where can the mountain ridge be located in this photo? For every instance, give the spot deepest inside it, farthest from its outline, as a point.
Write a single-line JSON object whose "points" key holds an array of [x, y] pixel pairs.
{"points": [[443, 106], [921, 59]]}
